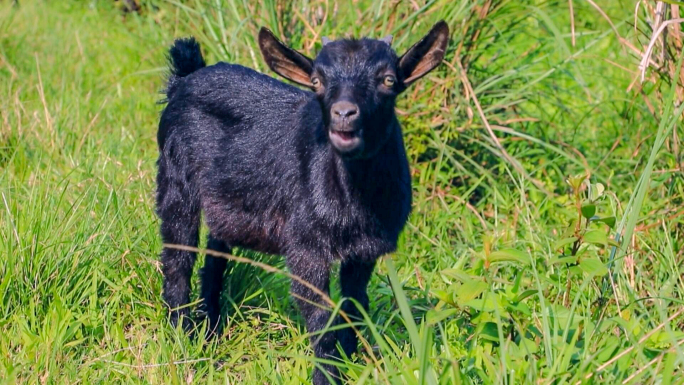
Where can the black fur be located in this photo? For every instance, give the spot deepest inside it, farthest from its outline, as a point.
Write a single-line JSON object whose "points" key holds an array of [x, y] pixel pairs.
{"points": [[255, 156], [185, 57]]}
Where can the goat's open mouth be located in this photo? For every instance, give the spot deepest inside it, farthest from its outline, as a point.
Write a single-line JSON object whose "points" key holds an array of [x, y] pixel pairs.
{"points": [[345, 140], [345, 135]]}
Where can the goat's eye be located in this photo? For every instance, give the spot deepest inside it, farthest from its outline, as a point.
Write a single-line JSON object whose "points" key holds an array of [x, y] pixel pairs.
{"points": [[316, 82], [388, 81]]}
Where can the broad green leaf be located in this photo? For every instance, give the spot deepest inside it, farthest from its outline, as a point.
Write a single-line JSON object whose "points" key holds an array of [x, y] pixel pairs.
{"points": [[596, 191], [442, 295], [470, 290], [520, 307], [608, 351], [593, 267], [435, 316], [486, 304], [487, 359], [509, 255], [597, 237], [588, 210], [561, 243], [525, 294], [514, 352], [567, 260], [610, 221], [457, 274], [565, 316], [664, 338], [576, 181], [528, 346], [570, 230], [488, 331]]}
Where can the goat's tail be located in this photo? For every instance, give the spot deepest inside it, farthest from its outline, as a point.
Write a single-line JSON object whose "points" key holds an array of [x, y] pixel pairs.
{"points": [[185, 57]]}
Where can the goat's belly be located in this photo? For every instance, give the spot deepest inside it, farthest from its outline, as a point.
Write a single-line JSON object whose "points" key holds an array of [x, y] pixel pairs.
{"points": [[262, 237], [257, 242], [342, 245], [260, 232]]}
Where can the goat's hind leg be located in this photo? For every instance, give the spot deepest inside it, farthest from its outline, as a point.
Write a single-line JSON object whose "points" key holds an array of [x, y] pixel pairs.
{"points": [[212, 283], [179, 211]]}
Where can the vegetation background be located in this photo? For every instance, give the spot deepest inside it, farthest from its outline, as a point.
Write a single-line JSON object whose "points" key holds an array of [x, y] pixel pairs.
{"points": [[546, 242]]}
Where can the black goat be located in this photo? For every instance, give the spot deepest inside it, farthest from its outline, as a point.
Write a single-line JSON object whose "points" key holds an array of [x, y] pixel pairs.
{"points": [[317, 176]]}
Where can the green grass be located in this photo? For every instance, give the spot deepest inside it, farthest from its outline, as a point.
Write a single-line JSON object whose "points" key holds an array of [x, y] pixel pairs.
{"points": [[498, 278]]}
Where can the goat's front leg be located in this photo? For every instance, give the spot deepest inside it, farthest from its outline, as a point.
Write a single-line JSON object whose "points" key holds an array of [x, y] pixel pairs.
{"points": [[354, 277], [316, 311]]}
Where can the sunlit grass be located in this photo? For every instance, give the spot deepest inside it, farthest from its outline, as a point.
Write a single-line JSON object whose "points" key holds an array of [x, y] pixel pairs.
{"points": [[477, 292]]}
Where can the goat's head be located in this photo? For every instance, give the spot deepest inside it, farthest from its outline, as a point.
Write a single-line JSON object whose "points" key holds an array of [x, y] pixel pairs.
{"points": [[357, 82]]}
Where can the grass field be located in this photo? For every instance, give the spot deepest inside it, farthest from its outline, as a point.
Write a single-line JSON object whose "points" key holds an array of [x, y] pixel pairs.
{"points": [[500, 276]]}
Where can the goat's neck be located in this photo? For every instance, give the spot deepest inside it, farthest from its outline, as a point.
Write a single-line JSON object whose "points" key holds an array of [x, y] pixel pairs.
{"points": [[365, 175]]}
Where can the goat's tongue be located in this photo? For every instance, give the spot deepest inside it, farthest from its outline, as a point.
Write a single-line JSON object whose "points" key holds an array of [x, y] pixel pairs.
{"points": [[347, 135], [344, 139]]}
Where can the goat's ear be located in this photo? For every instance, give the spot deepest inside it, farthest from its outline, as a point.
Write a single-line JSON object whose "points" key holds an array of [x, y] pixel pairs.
{"points": [[425, 55], [285, 61]]}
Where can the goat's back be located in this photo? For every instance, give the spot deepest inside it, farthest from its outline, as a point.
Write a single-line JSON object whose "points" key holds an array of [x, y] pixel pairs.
{"points": [[240, 137], [239, 97]]}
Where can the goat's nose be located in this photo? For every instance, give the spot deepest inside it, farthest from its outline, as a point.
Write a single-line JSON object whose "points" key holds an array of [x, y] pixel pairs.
{"points": [[345, 109]]}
